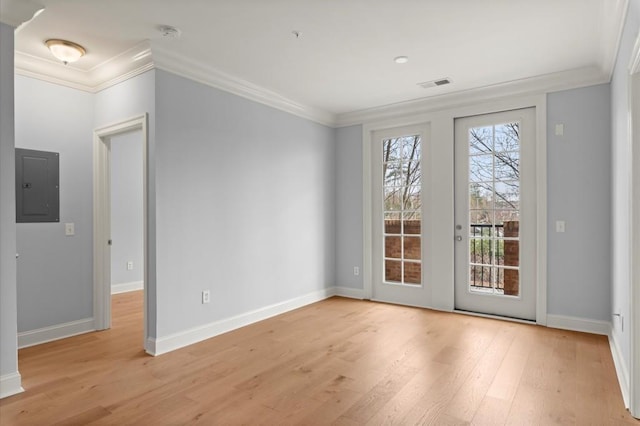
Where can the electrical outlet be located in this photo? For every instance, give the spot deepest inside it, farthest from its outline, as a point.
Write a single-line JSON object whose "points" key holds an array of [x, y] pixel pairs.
{"points": [[129, 266], [206, 296], [69, 229], [356, 271]]}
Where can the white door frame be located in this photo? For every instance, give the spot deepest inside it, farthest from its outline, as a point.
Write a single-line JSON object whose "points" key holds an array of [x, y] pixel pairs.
{"points": [[634, 299], [102, 217], [441, 122], [522, 306], [393, 293]]}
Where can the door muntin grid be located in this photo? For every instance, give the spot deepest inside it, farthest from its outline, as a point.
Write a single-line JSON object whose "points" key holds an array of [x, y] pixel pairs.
{"points": [[494, 209], [402, 205]]}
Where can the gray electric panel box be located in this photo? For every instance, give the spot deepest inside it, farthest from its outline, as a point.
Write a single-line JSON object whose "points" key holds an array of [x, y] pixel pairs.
{"points": [[37, 186]]}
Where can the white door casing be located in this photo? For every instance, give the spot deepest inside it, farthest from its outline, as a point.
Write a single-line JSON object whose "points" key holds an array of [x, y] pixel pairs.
{"points": [[102, 219], [495, 165], [634, 293]]}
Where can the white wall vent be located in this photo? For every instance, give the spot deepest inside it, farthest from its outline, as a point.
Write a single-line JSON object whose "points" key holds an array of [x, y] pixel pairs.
{"points": [[435, 83]]}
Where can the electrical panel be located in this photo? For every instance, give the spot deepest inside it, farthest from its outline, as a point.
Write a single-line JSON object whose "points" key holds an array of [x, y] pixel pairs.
{"points": [[37, 186]]}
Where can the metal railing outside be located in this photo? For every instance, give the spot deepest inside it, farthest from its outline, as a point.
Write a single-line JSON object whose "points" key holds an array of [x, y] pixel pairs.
{"points": [[481, 251]]}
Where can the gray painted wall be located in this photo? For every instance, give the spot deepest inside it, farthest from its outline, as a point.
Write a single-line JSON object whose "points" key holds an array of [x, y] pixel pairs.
{"points": [[579, 184], [349, 251], [621, 168], [127, 208], [8, 311], [245, 204], [55, 275]]}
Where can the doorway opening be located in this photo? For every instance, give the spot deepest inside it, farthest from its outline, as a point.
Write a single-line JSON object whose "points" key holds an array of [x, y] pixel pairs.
{"points": [[132, 131]]}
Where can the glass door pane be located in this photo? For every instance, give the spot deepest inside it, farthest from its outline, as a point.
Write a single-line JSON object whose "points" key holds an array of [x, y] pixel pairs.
{"points": [[402, 206], [494, 208]]}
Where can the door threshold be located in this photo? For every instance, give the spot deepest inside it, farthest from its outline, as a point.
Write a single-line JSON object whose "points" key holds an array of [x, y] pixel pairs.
{"points": [[498, 317]]}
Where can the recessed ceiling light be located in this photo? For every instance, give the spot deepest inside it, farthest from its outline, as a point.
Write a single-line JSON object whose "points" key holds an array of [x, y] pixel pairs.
{"points": [[401, 59], [65, 51]]}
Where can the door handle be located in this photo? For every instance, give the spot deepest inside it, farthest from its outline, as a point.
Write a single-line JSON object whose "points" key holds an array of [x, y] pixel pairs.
{"points": [[458, 237]]}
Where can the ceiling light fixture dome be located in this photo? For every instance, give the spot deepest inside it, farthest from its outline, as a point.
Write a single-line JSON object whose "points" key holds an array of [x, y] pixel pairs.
{"points": [[401, 59], [65, 51]]}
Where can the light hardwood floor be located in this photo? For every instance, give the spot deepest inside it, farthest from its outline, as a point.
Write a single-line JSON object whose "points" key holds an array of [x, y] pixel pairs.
{"points": [[340, 361]]}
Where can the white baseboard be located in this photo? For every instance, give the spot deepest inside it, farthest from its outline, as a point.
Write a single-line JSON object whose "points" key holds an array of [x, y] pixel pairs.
{"points": [[621, 368], [353, 293], [54, 332], [10, 384], [579, 324], [126, 287], [159, 346]]}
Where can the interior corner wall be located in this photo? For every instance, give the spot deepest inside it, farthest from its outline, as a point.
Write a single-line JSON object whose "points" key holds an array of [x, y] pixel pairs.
{"points": [[349, 231], [8, 304], [54, 271], [579, 181], [620, 184], [245, 205], [131, 98]]}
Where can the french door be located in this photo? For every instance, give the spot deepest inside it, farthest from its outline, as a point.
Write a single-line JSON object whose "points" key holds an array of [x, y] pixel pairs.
{"points": [[495, 214], [398, 213]]}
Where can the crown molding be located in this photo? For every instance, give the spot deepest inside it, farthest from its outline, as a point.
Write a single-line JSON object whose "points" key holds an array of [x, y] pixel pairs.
{"points": [[564, 80], [614, 14], [119, 68], [146, 56], [17, 12], [142, 58], [194, 70]]}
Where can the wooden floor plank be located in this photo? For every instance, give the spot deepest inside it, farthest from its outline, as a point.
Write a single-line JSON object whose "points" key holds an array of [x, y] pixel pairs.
{"points": [[340, 361]]}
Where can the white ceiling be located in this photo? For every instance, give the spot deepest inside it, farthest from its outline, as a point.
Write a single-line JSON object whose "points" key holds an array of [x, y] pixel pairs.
{"points": [[343, 60]]}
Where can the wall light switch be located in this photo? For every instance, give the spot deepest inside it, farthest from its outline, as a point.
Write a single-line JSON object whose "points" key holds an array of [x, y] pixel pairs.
{"points": [[559, 225], [69, 229], [559, 129]]}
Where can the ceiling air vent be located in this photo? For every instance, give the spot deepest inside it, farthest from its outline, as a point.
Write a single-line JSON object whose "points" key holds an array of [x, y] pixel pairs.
{"points": [[435, 83]]}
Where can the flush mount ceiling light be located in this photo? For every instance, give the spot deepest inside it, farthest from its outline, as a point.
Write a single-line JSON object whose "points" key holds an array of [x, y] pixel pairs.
{"points": [[65, 51], [401, 59]]}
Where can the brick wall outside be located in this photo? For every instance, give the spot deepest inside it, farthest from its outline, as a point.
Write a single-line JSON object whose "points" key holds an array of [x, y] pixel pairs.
{"points": [[412, 250], [511, 258]]}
